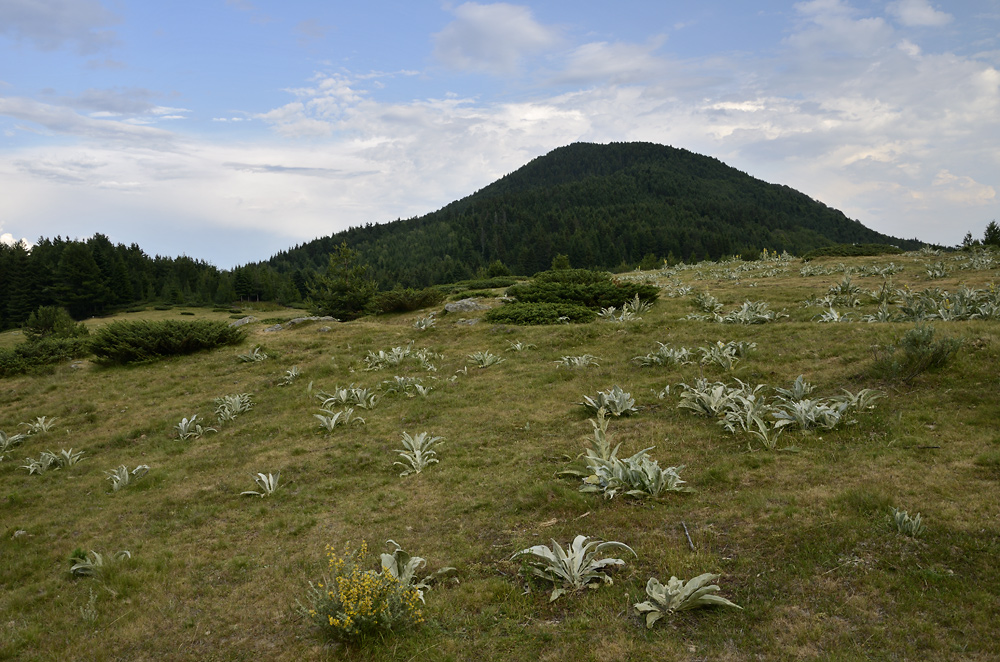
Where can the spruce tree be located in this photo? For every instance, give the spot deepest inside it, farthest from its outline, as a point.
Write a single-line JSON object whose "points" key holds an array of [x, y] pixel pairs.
{"points": [[345, 290], [992, 235], [79, 288]]}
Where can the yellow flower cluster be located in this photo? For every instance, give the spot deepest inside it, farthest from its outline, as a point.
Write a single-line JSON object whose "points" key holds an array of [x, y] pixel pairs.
{"points": [[356, 601]]}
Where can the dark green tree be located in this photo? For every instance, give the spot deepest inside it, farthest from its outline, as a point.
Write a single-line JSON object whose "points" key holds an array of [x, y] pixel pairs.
{"points": [[497, 268], [52, 322], [119, 284], [992, 235], [225, 293], [79, 286], [301, 279], [650, 262], [345, 290], [242, 284]]}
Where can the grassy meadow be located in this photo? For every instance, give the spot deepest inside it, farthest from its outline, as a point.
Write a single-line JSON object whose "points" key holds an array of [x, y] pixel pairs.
{"points": [[802, 536]]}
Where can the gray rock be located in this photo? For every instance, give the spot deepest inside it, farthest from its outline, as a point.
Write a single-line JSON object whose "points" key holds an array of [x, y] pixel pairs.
{"points": [[245, 320], [299, 320], [464, 306]]}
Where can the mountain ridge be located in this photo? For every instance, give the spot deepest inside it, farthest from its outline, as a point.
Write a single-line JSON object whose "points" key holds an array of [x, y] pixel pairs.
{"points": [[603, 205]]}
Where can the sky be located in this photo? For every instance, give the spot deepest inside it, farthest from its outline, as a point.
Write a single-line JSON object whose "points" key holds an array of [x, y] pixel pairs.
{"points": [[229, 130]]}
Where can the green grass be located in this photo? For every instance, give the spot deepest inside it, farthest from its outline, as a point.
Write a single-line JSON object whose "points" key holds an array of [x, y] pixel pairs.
{"points": [[802, 539]]}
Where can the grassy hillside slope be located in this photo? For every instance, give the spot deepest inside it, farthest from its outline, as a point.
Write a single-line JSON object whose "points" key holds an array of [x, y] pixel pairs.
{"points": [[802, 537]]}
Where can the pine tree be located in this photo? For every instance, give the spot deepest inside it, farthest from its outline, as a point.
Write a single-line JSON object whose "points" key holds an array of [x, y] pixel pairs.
{"points": [[992, 235], [225, 294], [119, 284], [345, 290], [242, 284], [79, 288]]}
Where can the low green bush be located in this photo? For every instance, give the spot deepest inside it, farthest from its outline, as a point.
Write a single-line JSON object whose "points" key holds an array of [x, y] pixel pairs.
{"points": [[477, 284], [52, 322], [27, 356], [540, 313], [593, 289], [469, 294], [489, 283], [915, 353], [11, 363], [574, 276], [121, 343], [593, 295], [402, 300]]}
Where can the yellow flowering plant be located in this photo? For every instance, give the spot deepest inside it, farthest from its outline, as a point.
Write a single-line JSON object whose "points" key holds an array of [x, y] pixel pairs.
{"points": [[353, 602]]}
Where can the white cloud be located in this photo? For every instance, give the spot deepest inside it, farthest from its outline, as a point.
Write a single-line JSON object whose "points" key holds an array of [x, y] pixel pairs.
{"points": [[830, 28], [961, 190], [292, 121], [9, 240], [114, 102], [62, 120], [618, 63], [492, 38], [65, 169], [53, 24], [918, 13]]}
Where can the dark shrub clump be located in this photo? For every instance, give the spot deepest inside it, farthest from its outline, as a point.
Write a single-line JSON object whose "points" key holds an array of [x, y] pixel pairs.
{"points": [[540, 313], [592, 289], [52, 322], [120, 343], [403, 300], [28, 356]]}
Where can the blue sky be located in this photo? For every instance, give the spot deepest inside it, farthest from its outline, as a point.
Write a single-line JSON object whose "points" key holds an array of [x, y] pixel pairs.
{"points": [[228, 130]]}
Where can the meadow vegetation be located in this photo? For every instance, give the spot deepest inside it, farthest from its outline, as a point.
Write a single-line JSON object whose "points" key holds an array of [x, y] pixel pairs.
{"points": [[812, 535]]}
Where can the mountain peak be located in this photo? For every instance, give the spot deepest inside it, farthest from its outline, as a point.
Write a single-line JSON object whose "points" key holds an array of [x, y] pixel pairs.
{"points": [[603, 205]]}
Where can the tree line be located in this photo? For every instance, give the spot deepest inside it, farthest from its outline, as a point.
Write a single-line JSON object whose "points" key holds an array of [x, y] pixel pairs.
{"points": [[94, 276]]}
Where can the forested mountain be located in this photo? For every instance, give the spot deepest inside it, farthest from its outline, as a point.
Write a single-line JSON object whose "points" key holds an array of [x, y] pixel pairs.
{"points": [[602, 205]]}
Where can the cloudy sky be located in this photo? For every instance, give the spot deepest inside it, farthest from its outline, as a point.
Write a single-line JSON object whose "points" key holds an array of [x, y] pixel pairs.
{"points": [[228, 130]]}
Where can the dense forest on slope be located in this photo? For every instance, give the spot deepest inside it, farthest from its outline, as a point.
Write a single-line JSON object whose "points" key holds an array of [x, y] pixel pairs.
{"points": [[95, 276], [602, 205]]}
